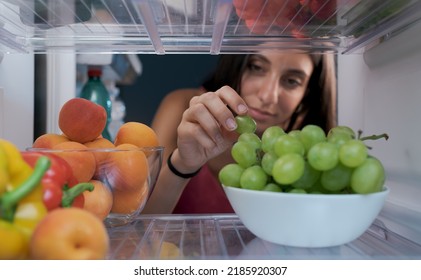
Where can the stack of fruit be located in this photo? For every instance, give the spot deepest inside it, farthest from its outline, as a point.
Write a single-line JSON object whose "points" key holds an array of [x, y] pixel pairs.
{"points": [[40, 219], [303, 161], [56, 196], [122, 171]]}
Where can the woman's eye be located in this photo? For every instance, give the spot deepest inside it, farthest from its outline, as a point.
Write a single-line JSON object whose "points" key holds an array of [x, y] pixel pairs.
{"points": [[292, 83], [255, 67]]}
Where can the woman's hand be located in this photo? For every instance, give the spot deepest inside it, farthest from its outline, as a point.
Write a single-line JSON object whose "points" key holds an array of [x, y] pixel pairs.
{"points": [[207, 128]]}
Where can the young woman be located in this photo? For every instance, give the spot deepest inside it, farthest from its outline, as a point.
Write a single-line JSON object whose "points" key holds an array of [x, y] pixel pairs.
{"points": [[197, 126]]}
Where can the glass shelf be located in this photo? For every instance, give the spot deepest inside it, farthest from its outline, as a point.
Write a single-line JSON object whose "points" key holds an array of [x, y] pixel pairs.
{"points": [[225, 237], [200, 26]]}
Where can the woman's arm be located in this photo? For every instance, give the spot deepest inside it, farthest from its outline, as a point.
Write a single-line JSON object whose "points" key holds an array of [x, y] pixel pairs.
{"points": [[169, 115], [195, 127], [169, 187]]}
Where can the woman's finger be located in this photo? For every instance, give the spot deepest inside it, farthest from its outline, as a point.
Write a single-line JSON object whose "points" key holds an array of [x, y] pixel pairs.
{"points": [[221, 105], [232, 99], [200, 115]]}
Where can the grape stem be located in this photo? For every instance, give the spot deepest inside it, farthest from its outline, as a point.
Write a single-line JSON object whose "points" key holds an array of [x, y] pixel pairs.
{"points": [[372, 137]]}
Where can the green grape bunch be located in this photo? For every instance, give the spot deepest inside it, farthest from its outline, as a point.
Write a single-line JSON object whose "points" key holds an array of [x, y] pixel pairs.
{"points": [[303, 161]]}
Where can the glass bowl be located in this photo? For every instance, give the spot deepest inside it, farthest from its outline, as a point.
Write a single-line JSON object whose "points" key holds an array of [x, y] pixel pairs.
{"points": [[130, 175], [306, 220]]}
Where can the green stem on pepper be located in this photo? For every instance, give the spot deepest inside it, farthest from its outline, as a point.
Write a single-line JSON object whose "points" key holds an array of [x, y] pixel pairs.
{"points": [[70, 194], [9, 200]]}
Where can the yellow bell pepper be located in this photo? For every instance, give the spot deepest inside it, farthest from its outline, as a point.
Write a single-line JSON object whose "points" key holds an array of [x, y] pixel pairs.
{"points": [[16, 166], [21, 202], [13, 242]]}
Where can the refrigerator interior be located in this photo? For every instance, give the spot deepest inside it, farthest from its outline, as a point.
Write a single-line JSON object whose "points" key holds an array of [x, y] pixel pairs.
{"points": [[377, 43]]}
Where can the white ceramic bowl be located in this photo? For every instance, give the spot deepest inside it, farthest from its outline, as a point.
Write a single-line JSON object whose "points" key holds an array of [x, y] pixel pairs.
{"points": [[306, 220]]}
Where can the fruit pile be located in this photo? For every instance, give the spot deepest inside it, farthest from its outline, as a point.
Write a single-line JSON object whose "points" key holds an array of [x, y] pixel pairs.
{"points": [[303, 161], [118, 170], [38, 219], [55, 197]]}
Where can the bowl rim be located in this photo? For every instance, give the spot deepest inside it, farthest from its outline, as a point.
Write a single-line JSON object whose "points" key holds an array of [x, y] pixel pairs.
{"points": [[385, 190], [49, 150]]}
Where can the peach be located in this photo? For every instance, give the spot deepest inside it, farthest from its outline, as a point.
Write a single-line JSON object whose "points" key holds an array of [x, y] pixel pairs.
{"points": [[100, 156], [82, 120], [129, 201], [49, 140], [69, 234], [80, 160], [136, 133], [99, 201], [126, 169]]}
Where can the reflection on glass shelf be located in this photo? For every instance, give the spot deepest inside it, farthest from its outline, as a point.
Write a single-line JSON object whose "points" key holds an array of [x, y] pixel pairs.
{"points": [[225, 237]]}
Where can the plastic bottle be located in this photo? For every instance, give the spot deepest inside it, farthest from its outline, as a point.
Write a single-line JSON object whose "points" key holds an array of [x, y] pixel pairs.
{"points": [[95, 90], [118, 111]]}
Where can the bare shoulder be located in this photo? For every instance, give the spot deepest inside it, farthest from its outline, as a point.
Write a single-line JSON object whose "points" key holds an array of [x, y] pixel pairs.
{"points": [[177, 101], [169, 115], [181, 96]]}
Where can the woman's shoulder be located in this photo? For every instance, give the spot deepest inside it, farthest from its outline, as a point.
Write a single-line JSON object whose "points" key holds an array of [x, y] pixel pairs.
{"points": [[182, 95], [169, 114]]}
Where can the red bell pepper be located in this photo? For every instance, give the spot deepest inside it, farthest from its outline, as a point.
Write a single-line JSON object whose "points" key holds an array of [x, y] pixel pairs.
{"points": [[60, 187]]}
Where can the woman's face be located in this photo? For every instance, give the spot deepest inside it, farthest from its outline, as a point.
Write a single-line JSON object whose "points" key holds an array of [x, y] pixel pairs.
{"points": [[273, 85]]}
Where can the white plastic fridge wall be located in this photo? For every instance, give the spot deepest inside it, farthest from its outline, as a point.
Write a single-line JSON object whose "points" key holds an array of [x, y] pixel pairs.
{"points": [[379, 92], [17, 94], [16, 98]]}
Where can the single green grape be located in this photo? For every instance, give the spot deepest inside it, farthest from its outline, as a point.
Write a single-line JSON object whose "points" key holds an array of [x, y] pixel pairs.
{"points": [[339, 138], [272, 187], [286, 144], [245, 124], [318, 188], [268, 160], [251, 138], [299, 191], [253, 178], [342, 129], [230, 175], [308, 179], [353, 153], [288, 169], [269, 137], [295, 133], [244, 154], [311, 135], [369, 177], [337, 178], [323, 156]]}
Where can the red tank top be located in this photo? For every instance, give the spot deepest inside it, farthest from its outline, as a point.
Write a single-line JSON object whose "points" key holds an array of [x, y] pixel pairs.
{"points": [[203, 195]]}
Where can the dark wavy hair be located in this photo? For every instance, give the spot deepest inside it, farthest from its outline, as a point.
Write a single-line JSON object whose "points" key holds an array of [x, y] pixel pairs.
{"points": [[319, 103]]}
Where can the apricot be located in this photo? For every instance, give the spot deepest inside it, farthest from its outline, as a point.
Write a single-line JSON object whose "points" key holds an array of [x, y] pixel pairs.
{"points": [[82, 120], [69, 234], [129, 201], [99, 201], [136, 133], [49, 140], [80, 160], [126, 169], [100, 156]]}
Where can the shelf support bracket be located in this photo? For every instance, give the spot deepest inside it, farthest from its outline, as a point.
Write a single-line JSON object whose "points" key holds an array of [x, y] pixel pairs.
{"points": [[222, 12], [146, 15]]}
